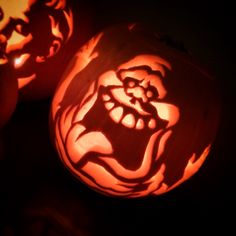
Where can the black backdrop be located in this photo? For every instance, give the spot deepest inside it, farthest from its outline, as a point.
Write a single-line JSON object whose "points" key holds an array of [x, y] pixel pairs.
{"points": [[38, 196]]}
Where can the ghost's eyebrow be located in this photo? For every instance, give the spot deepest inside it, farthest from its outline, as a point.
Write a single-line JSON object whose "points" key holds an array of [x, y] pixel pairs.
{"points": [[138, 72]]}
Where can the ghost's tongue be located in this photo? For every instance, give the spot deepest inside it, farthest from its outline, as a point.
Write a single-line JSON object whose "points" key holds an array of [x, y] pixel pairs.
{"points": [[89, 142]]}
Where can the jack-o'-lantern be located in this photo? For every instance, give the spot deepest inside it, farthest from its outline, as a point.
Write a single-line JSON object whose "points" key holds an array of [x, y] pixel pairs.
{"points": [[33, 38], [8, 93], [133, 116]]}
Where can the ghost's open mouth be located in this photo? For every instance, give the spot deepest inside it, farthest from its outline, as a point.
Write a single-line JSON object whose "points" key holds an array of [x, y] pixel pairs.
{"points": [[124, 128], [127, 116]]}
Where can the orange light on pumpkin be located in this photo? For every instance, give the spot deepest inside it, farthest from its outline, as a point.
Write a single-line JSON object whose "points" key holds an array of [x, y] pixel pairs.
{"points": [[133, 117]]}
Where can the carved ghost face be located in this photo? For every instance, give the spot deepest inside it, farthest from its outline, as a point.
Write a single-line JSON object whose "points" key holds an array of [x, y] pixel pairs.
{"points": [[31, 31], [132, 117], [130, 101], [123, 123]]}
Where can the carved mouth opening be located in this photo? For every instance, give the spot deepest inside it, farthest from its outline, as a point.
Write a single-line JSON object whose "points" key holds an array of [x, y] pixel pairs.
{"points": [[126, 129]]}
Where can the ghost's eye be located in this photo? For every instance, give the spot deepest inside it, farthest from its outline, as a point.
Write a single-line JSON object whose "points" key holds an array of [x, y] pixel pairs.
{"points": [[130, 82], [152, 92], [149, 94]]}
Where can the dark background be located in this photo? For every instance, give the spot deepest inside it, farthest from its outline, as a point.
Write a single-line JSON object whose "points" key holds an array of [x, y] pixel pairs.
{"points": [[38, 196]]}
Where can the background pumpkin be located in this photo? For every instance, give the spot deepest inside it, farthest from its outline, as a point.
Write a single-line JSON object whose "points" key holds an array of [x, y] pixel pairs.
{"points": [[132, 116], [36, 38]]}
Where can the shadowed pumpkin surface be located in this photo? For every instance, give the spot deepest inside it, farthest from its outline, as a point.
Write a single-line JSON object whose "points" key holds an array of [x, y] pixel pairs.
{"points": [[8, 94]]}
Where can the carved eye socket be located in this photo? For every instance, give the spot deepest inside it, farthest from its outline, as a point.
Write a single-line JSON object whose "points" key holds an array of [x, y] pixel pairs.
{"points": [[152, 92], [130, 82], [149, 94]]}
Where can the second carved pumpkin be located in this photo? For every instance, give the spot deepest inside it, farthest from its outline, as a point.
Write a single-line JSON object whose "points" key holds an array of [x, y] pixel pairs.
{"points": [[35, 38], [132, 116]]}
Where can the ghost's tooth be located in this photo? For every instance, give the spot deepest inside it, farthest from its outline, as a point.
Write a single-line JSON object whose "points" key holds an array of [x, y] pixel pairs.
{"points": [[109, 105], [140, 124], [152, 123], [128, 120], [106, 97], [116, 114]]}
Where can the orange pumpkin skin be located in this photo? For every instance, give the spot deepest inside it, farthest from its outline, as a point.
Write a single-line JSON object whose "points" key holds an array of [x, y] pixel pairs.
{"points": [[8, 93], [133, 117], [35, 39]]}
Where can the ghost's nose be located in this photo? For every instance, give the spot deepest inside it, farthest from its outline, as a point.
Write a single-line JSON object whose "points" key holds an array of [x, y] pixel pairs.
{"points": [[138, 92]]}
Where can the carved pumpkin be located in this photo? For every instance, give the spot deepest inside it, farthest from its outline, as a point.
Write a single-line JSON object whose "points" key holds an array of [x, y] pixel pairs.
{"points": [[32, 35], [8, 93], [132, 116]]}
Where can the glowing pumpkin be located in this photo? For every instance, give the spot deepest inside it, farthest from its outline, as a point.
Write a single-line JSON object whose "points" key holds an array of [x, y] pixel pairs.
{"points": [[132, 116], [8, 92], [32, 32]]}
